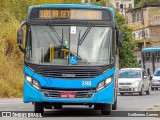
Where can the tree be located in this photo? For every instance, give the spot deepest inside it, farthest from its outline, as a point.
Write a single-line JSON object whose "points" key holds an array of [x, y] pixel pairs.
{"points": [[148, 2], [136, 2], [126, 51]]}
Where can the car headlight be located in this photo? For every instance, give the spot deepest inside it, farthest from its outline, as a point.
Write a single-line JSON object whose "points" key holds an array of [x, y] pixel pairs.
{"points": [[33, 82], [104, 83], [136, 83], [154, 81]]}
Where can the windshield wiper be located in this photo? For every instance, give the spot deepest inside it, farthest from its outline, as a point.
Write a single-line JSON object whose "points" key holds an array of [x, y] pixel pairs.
{"points": [[80, 40], [55, 32], [85, 34], [58, 37]]}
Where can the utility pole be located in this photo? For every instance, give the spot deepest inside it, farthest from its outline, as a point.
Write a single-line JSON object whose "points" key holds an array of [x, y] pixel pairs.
{"points": [[143, 30]]}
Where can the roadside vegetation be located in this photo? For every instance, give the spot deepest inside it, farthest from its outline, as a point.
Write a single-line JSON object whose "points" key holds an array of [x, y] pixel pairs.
{"points": [[12, 13], [140, 3]]}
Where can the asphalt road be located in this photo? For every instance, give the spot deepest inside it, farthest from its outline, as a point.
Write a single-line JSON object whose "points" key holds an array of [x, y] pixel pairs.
{"points": [[128, 102]]}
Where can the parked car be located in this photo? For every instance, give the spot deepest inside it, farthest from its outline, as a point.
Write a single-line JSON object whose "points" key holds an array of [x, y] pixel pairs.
{"points": [[155, 80], [133, 80]]}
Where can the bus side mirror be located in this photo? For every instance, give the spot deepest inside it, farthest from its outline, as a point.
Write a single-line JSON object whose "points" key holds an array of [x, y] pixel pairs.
{"points": [[20, 36], [119, 37]]}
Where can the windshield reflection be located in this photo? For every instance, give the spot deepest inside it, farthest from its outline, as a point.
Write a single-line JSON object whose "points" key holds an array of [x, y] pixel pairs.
{"points": [[130, 74]]}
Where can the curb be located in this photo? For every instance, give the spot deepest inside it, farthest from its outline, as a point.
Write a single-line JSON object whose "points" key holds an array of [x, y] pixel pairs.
{"points": [[155, 107]]}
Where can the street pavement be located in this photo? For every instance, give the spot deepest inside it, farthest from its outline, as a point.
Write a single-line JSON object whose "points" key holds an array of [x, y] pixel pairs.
{"points": [[128, 102]]}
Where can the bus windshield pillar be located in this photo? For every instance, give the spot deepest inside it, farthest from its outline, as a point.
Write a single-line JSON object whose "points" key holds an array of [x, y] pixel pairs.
{"points": [[153, 61]]}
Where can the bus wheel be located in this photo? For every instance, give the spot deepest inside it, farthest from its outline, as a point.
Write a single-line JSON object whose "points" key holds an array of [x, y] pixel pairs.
{"points": [[106, 109], [38, 108], [156, 88]]}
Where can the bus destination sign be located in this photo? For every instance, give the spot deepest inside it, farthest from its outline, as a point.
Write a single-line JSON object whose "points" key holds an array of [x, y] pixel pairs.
{"points": [[78, 14]]}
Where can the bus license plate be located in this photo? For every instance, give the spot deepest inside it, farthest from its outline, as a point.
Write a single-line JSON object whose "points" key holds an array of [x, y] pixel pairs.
{"points": [[68, 95]]}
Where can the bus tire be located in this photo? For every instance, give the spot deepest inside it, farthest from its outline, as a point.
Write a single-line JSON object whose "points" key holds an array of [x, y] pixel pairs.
{"points": [[38, 108], [106, 109]]}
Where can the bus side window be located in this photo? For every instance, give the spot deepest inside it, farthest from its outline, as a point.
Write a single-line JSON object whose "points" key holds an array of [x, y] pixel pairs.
{"points": [[148, 56], [158, 56]]}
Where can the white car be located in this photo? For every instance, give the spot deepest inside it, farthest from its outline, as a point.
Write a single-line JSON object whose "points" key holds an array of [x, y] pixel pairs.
{"points": [[155, 81], [133, 80]]}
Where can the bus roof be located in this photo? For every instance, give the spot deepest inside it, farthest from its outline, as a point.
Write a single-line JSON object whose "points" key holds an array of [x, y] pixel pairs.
{"points": [[71, 6], [152, 49], [68, 6]]}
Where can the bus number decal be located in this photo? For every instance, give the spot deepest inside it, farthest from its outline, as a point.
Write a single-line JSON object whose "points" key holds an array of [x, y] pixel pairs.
{"points": [[86, 83]]}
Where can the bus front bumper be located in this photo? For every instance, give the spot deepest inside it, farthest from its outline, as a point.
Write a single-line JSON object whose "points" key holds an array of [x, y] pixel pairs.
{"points": [[105, 95]]}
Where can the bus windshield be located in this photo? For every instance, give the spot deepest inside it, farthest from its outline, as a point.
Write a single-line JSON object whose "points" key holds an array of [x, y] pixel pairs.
{"points": [[52, 45]]}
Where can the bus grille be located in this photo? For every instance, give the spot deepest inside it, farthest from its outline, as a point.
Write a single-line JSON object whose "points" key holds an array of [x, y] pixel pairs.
{"points": [[48, 93], [69, 73]]}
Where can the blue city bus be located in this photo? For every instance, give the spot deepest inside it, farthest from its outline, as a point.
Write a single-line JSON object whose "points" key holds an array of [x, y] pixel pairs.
{"points": [[71, 56], [151, 59]]}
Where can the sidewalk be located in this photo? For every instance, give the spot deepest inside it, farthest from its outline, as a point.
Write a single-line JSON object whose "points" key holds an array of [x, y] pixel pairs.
{"points": [[10, 100]]}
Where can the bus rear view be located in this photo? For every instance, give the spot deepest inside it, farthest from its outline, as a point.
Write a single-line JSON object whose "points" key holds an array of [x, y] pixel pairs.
{"points": [[71, 57]]}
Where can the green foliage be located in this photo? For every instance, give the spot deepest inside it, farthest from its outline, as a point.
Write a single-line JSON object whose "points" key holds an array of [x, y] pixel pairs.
{"points": [[19, 8], [136, 2], [101, 2], [12, 12], [144, 2], [126, 51]]}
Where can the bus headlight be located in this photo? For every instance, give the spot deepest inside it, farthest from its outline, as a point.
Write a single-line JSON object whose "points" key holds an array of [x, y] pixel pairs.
{"points": [[33, 82], [36, 84], [29, 79], [100, 86], [104, 83]]}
